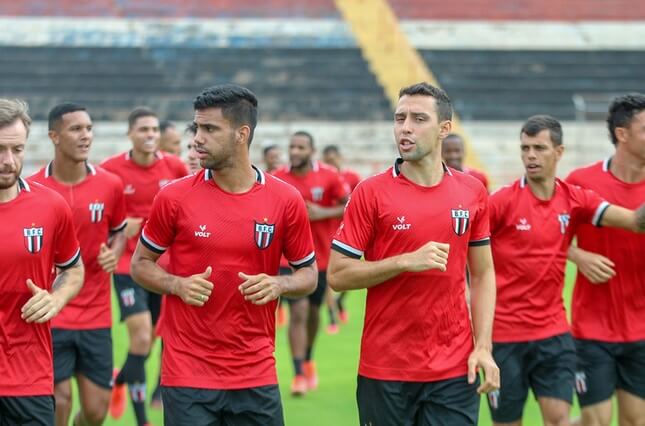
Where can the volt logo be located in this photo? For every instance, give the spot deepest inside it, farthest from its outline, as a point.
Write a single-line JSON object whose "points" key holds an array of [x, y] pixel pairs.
{"points": [[202, 233], [401, 225]]}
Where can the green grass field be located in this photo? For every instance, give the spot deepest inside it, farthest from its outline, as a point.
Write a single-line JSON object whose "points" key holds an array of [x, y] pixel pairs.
{"points": [[337, 358]]}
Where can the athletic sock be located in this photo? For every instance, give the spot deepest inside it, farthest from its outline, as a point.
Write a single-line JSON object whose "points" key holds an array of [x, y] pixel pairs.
{"points": [[297, 366], [137, 386], [332, 316], [308, 354], [339, 301]]}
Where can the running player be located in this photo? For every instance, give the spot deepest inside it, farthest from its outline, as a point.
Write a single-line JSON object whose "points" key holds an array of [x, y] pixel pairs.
{"points": [[143, 171], [608, 300], [333, 157], [325, 194], [37, 233], [221, 288], [453, 153], [418, 224], [82, 335], [169, 139], [531, 229]]}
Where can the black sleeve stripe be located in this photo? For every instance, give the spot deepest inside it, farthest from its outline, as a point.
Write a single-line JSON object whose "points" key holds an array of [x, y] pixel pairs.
{"points": [[304, 264], [601, 214], [119, 228], [345, 252], [478, 243], [150, 246], [73, 261]]}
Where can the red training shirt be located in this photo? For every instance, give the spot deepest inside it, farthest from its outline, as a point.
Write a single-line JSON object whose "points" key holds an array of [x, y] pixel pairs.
{"points": [[140, 185], [481, 176], [229, 342], [530, 239], [417, 326], [613, 311], [37, 233], [98, 209]]}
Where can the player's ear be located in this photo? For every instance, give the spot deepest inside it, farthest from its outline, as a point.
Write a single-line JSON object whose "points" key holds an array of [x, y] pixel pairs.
{"points": [[53, 136], [445, 127], [242, 134], [559, 150]]}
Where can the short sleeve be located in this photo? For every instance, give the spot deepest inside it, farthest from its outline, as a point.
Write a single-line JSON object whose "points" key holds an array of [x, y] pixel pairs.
{"points": [[118, 217], [480, 231], [495, 211], [298, 246], [588, 207], [67, 251], [357, 229], [159, 231]]}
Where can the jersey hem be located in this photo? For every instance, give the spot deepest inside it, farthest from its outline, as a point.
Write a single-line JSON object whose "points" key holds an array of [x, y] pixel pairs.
{"points": [[216, 384], [412, 375]]}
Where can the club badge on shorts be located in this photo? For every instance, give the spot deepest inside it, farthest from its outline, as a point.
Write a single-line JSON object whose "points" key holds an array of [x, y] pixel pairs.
{"points": [[263, 234], [33, 239], [460, 220]]}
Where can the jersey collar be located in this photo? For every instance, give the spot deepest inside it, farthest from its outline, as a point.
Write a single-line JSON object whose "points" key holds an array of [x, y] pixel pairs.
{"points": [[23, 185], [606, 164], [396, 170], [49, 170], [259, 175]]}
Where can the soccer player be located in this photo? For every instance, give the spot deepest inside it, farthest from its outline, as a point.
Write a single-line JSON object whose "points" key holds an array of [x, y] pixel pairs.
{"points": [[169, 139], [609, 296], [453, 153], [333, 157], [272, 158], [325, 193], [81, 333], [143, 171], [221, 287], [417, 225], [192, 158], [531, 229], [37, 233]]}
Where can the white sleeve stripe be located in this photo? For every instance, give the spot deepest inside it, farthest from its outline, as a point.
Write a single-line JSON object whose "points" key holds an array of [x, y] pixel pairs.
{"points": [[305, 259], [346, 247], [597, 217], [71, 260], [120, 226], [152, 243]]}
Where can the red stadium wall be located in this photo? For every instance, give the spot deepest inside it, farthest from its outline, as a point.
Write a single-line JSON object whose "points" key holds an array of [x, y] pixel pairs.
{"points": [[486, 10]]}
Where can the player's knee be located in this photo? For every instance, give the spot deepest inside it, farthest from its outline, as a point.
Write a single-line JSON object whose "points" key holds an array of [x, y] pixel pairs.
{"points": [[141, 341], [63, 397], [595, 418], [632, 419], [95, 415]]}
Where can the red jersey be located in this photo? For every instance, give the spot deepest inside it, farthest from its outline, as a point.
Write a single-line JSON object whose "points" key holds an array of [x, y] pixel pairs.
{"points": [[141, 185], [98, 209], [417, 326], [37, 233], [229, 342], [324, 186], [612, 311], [351, 178], [530, 239], [480, 176]]}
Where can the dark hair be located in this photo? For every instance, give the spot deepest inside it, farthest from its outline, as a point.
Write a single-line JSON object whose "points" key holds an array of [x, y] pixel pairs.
{"points": [[454, 136], [622, 110], [442, 101], [165, 125], [331, 149], [537, 123], [268, 148], [56, 114], [306, 135], [137, 113], [238, 104]]}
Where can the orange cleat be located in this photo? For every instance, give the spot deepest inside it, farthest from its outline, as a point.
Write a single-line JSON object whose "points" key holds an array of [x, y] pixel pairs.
{"points": [[343, 316], [299, 386], [117, 400], [333, 329], [282, 316], [309, 368]]}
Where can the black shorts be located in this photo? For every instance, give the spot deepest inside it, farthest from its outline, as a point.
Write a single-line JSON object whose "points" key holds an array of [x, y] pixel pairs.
{"points": [[546, 366], [318, 296], [604, 367], [88, 352], [27, 410], [445, 402], [134, 299], [258, 406]]}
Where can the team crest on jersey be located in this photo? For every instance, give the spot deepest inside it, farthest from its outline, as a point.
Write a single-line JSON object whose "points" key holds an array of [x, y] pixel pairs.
{"points": [[460, 221], [263, 234], [317, 193], [33, 239], [564, 222], [96, 211]]}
